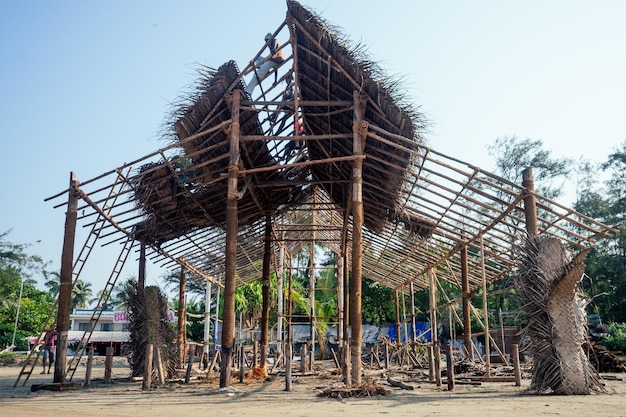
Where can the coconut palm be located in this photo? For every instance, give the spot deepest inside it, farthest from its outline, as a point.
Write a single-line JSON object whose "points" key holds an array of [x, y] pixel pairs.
{"points": [[81, 294]]}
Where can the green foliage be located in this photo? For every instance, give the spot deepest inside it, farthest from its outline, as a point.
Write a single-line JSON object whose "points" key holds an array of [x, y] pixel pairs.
{"points": [[616, 338], [81, 293], [16, 267], [378, 303], [606, 264], [514, 155]]}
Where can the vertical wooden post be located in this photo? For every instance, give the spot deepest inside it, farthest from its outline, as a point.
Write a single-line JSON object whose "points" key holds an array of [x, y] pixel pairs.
{"points": [[265, 290], [189, 363], [141, 274], [312, 281], [467, 300], [530, 205], [437, 357], [66, 281], [397, 323], [386, 356], [147, 370], [89, 366], [108, 364], [516, 365], [158, 363], [485, 311], [232, 220], [358, 146], [346, 362], [242, 362], [450, 367], [340, 318], [288, 344], [280, 296], [431, 363], [432, 300], [207, 325], [303, 355], [432, 286], [413, 314], [216, 322], [180, 340]]}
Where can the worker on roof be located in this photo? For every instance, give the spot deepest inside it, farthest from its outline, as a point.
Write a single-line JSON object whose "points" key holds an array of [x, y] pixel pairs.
{"points": [[263, 65]]}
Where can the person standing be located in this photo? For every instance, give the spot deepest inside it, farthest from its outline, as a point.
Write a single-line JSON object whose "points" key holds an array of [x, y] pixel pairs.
{"points": [[48, 350]]}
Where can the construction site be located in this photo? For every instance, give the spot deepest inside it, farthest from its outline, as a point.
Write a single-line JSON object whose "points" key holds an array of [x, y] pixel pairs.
{"points": [[310, 144]]}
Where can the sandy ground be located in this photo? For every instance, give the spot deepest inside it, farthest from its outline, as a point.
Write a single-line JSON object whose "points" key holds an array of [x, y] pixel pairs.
{"points": [[203, 397]]}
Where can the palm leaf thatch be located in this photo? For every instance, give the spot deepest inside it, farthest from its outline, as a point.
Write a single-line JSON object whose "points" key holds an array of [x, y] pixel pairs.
{"points": [[331, 67], [148, 324], [547, 283]]}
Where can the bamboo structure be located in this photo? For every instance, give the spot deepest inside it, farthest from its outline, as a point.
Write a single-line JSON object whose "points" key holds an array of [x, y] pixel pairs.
{"points": [[329, 145]]}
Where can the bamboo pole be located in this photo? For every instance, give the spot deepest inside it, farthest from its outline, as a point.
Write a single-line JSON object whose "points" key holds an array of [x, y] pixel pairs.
{"points": [[346, 370], [180, 336], [230, 279], [89, 367], [289, 345], [312, 284], [485, 312], [530, 205], [66, 282], [450, 366], [516, 365], [413, 314], [280, 296], [467, 299], [147, 370], [265, 312], [358, 146], [158, 362], [141, 276], [207, 325], [397, 323], [340, 318], [189, 362], [108, 364]]}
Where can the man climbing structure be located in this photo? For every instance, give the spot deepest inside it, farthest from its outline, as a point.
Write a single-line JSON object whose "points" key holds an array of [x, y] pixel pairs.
{"points": [[263, 65]]}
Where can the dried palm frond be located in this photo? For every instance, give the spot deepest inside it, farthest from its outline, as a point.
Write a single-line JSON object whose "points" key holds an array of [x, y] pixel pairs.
{"points": [[547, 284]]}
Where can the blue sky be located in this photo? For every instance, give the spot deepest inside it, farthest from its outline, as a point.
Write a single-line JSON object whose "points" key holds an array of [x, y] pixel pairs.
{"points": [[86, 86]]}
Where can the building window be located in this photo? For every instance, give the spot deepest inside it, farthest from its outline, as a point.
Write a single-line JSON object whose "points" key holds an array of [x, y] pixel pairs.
{"points": [[105, 327], [84, 327]]}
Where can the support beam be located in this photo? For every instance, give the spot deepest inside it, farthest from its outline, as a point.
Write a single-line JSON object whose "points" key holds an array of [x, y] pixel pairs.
{"points": [[232, 218], [265, 290], [467, 300], [340, 318], [485, 311], [141, 275], [358, 146], [530, 204], [280, 296], [66, 281], [207, 324], [413, 326], [180, 337]]}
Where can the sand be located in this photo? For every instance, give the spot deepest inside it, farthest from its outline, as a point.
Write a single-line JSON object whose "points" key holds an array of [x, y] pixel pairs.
{"points": [[201, 397]]}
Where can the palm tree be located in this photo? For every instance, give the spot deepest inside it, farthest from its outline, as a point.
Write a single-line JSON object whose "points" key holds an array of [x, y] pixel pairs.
{"points": [[81, 294], [53, 283], [123, 292]]}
